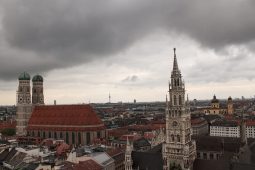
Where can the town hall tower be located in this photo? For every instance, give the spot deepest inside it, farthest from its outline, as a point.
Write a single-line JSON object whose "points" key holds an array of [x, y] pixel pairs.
{"points": [[178, 149]]}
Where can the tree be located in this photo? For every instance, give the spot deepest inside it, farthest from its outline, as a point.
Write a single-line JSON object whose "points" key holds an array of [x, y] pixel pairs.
{"points": [[8, 132]]}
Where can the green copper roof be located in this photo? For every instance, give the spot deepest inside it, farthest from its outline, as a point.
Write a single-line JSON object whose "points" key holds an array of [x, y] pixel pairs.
{"points": [[24, 76], [37, 78]]}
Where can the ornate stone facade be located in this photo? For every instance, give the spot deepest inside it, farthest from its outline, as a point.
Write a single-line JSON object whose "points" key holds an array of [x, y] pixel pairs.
{"points": [[128, 158], [178, 150]]}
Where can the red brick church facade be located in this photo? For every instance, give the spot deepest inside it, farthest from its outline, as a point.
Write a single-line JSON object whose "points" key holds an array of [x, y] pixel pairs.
{"points": [[76, 124]]}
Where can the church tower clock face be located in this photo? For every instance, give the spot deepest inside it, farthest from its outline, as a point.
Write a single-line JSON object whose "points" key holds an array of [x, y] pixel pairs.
{"points": [[20, 100], [174, 124]]}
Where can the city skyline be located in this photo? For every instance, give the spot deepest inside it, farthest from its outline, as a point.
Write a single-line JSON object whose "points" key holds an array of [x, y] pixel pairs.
{"points": [[85, 51]]}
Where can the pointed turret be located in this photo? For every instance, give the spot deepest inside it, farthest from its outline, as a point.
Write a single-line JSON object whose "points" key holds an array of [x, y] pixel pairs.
{"points": [[128, 158], [175, 66]]}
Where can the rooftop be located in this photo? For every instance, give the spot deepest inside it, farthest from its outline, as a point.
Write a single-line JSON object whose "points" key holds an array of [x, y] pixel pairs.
{"points": [[65, 117]]}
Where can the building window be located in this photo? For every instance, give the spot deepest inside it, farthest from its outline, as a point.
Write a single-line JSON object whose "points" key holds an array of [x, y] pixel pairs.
{"points": [[61, 135], [55, 135], [38, 134], [49, 134], [67, 138], [180, 100], [88, 138], [98, 134], [175, 100], [178, 138], [211, 156], [205, 155], [79, 137], [172, 138], [73, 138], [43, 134], [198, 155]]}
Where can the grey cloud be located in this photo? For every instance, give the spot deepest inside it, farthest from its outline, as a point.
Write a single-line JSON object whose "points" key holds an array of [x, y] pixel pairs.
{"points": [[129, 79], [39, 36]]}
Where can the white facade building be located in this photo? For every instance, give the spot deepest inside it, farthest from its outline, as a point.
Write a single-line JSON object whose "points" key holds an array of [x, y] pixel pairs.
{"points": [[231, 129]]}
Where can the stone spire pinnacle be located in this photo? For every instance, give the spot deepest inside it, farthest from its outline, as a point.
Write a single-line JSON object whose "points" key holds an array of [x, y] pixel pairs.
{"points": [[187, 100], [175, 65], [128, 158], [128, 143]]}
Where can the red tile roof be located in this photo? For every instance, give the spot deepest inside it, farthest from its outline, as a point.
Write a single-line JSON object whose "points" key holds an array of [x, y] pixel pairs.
{"points": [[114, 151], [65, 118], [149, 135], [250, 123], [197, 121], [88, 165]]}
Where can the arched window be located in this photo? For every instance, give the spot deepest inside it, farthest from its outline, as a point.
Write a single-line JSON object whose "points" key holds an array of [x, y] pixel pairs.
{"points": [[61, 135], [67, 138], [43, 134], [55, 135], [178, 138], [180, 112], [38, 134], [88, 138], [180, 100], [178, 83], [73, 138], [79, 137], [175, 100], [98, 134], [172, 138]]}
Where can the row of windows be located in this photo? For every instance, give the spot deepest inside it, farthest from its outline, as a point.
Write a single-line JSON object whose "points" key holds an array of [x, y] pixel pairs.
{"points": [[76, 137], [176, 82], [179, 99]]}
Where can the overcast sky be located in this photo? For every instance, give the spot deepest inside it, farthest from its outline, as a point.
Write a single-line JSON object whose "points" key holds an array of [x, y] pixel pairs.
{"points": [[86, 49]]}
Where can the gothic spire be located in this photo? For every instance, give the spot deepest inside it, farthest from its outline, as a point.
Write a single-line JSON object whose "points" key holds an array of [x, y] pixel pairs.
{"points": [[128, 147], [175, 65]]}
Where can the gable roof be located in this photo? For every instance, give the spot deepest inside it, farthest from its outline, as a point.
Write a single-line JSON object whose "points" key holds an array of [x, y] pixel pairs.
{"points": [[65, 117]]}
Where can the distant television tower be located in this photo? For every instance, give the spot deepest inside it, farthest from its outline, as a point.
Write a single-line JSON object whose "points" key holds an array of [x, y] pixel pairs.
{"points": [[109, 97]]}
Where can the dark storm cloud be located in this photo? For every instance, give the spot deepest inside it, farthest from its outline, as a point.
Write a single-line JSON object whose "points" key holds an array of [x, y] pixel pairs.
{"points": [[41, 35]]}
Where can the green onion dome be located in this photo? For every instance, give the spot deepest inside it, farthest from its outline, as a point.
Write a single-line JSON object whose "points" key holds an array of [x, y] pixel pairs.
{"points": [[37, 78], [24, 76]]}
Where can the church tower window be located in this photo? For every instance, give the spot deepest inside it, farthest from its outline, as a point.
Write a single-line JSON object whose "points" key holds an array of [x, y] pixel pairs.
{"points": [[180, 100]]}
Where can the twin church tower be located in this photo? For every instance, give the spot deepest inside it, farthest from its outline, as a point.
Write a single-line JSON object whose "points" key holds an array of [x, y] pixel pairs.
{"points": [[24, 103]]}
